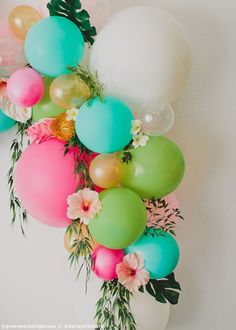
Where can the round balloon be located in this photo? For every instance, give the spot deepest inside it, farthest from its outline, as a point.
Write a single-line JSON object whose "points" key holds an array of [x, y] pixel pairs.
{"points": [[44, 178], [5, 122], [46, 108], [105, 170], [141, 55], [155, 170], [25, 87], [105, 261], [21, 19], [54, 44], [122, 219], [104, 126], [159, 251]]}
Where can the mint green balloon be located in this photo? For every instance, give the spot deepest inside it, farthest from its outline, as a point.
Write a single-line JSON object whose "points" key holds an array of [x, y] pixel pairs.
{"points": [[122, 219], [155, 170], [160, 253], [5, 122], [46, 108]]}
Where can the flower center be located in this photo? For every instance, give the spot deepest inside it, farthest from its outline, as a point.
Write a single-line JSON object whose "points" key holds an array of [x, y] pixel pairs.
{"points": [[85, 206], [131, 272]]}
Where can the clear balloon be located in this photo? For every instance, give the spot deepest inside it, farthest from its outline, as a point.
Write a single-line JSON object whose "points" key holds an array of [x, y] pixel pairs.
{"points": [[158, 119], [21, 19], [69, 91], [12, 56], [105, 170]]}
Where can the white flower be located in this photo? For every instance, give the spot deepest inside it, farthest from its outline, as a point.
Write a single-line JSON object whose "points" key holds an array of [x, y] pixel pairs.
{"points": [[71, 114], [136, 127], [140, 140]]}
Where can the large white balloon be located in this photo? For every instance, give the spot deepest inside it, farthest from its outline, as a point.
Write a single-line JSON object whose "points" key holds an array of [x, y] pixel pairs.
{"points": [[148, 313], [142, 54]]}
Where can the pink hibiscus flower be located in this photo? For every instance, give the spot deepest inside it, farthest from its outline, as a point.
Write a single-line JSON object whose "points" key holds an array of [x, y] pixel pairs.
{"points": [[83, 205], [40, 131], [131, 272]]}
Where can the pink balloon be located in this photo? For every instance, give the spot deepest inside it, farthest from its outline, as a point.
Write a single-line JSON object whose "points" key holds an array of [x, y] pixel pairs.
{"points": [[105, 261], [44, 178], [25, 87], [173, 203], [5, 30]]}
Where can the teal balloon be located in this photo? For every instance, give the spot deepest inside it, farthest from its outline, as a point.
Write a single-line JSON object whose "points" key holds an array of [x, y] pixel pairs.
{"points": [[5, 122], [104, 126], [53, 44], [159, 251]]}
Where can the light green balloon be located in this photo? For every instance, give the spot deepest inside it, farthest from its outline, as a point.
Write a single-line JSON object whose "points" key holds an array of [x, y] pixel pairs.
{"points": [[122, 219], [46, 108], [155, 169]]}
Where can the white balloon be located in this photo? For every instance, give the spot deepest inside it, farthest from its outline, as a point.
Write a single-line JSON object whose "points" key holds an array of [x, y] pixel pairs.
{"points": [[148, 313], [142, 54]]}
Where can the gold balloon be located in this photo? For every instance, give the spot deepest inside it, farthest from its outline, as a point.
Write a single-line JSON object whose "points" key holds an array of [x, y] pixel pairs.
{"points": [[70, 240], [63, 129], [105, 170], [69, 91], [21, 19]]}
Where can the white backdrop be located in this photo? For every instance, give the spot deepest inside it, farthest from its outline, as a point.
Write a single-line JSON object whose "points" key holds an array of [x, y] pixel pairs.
{"points": [[35, 285]]}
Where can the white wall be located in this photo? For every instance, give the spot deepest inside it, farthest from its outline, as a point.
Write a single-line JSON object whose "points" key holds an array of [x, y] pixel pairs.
{"points": [[35, 285]]}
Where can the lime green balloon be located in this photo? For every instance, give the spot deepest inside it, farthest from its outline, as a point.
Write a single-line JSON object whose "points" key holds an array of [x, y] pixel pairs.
{"points": [[122, 219], [46, 108], [155, 169]]}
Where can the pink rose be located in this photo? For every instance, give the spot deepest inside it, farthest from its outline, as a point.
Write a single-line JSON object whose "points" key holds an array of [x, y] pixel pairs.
{"points": [[40, 131]]}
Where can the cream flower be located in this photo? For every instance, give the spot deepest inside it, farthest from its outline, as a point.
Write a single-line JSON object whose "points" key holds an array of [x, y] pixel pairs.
{"points": [[140, 140], [131, 272], [83, 205], [40, 131], [71, 114], [136, 127]]}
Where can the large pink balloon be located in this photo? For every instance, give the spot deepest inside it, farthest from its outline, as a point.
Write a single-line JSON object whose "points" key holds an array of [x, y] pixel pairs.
{"points": [[44, 178], [105, 261]]}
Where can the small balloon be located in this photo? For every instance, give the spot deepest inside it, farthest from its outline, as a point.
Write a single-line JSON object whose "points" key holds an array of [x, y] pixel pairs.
{"points": [[158, 119], [69, 91], [25, 87], [5, 122], [21, 19], [105, 170], [69, 240], [12, 56], [105, 261]]}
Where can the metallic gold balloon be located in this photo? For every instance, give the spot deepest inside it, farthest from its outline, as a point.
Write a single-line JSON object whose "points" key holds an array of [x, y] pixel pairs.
{"points": [[70, 240], [63, 129], [69, 91], [105, 170], [21, 19]]}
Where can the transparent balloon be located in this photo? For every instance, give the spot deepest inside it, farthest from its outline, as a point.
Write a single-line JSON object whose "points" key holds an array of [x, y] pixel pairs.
{"points": [[158, 119], [12, 56]]}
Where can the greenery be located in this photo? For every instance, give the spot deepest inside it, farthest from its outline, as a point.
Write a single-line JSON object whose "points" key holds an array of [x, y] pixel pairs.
{"points": [[162, 221], [16, 151], [91, 80], [80, 256], [113, 308], [72, 10], [127, 157], [165, 290]]}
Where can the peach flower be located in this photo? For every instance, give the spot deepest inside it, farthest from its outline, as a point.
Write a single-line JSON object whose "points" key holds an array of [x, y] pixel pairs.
{"points": [[40, 131], [83, 205], [131, 272]]}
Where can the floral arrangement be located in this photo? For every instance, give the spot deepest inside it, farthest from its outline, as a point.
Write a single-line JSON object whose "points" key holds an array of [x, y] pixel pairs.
{"points": [[90, 155]]}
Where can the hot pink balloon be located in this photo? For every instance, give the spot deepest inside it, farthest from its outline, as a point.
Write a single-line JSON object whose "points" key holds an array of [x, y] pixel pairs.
{"points": [[25, 87], [173, 203], [105, 261], [44, 178]]}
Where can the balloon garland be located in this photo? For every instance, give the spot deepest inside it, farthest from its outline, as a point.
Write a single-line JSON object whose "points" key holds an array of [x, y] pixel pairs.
{"points": [[97, 162]]}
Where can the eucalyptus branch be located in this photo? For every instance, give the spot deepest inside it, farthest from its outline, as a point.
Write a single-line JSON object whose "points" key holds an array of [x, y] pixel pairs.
{"points": [[16, 149], [91, 80], [113, 310], [81, 248], [162, 221]]}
